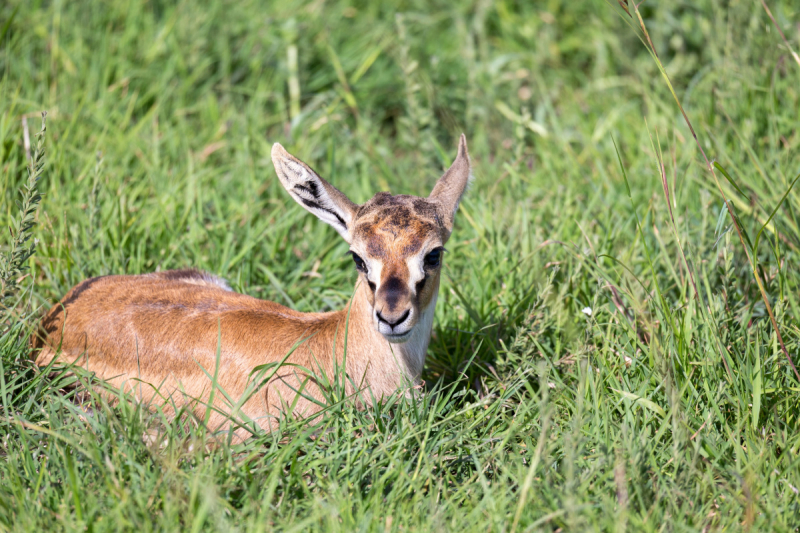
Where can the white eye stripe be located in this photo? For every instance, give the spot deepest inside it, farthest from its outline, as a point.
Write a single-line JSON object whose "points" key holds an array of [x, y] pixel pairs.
{"points": [[374, 268], [416, 270]]}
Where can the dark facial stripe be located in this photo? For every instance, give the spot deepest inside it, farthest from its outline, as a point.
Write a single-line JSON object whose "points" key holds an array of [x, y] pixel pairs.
{"points": [[315, 205], [421, 285], [392, 290]]}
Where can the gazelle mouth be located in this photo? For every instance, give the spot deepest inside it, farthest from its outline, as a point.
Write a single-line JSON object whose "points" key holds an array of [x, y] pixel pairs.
{"points": [[397, 337]]}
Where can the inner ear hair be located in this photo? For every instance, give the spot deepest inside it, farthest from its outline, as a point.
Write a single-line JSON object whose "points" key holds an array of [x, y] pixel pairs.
{"points": [[451, 186], [315, 194]]}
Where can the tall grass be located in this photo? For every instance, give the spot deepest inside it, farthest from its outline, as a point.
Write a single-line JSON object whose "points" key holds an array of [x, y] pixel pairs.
{"points": [[22, 246], [603, 356]]}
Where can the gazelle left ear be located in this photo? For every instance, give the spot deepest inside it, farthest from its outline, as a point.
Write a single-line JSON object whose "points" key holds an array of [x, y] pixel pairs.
{"points": [[451, 186], [319, 197]]}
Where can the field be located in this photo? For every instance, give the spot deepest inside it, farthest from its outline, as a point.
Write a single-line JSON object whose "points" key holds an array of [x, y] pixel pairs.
{"points": [[613, 342]]}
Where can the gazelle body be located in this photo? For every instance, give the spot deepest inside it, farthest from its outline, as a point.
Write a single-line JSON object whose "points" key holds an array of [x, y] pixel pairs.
{"points": [[163, 335]]}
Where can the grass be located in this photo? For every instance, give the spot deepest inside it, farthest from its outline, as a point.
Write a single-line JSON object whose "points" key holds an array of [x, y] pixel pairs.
{"points": [[583, 375]]}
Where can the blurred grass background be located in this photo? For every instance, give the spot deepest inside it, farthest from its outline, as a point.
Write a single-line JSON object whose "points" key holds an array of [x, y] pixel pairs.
{"points": [[539, 416]]}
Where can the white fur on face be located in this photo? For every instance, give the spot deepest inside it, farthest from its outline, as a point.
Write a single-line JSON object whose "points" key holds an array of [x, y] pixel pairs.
{"points": [[416, 270], [402, 332], [416, 265], [374, 269]]}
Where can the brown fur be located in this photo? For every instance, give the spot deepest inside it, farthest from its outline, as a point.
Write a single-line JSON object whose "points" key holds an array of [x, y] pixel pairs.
{"points": [[162, 335], [156, 331]]}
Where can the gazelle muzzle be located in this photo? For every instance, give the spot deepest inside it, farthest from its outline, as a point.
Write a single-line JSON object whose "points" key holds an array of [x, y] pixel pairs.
{"points": [[394, 310]]}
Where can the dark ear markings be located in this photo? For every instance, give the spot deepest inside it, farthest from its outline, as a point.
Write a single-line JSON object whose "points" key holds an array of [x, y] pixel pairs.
{"points": [[312, 187], [315, 205], [309, 187], [291, 169], [304, 189]]}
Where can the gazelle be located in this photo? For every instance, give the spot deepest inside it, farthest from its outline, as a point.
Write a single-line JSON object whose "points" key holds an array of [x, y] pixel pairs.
{"points": [[173, 330]]}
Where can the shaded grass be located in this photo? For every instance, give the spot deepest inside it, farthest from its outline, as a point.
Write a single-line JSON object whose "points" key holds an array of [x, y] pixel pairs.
{"points": [[538, 416]]}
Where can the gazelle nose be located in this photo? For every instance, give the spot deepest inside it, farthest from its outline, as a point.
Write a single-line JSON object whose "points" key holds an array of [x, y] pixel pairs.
{"points": [[394, 323]]}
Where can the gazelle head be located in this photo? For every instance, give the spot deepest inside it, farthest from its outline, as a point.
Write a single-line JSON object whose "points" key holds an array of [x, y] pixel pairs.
{"points": [[397, 242]]}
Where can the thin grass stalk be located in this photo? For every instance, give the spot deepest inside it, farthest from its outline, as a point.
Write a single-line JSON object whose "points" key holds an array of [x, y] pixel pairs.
{"points": [[780, 32], [739, 230], [661, 300], [673, 225]]}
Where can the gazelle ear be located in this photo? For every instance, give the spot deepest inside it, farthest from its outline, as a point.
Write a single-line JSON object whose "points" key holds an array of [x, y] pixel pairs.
{"points": [[318, 196], [451, 186]]}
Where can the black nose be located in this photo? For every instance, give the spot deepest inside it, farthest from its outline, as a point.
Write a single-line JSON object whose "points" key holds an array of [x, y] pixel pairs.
{"points": [[396, 322]]}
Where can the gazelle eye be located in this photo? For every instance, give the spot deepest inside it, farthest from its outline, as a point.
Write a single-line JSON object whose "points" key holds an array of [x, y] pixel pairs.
{"points": [[434, 258], [361, 266]]}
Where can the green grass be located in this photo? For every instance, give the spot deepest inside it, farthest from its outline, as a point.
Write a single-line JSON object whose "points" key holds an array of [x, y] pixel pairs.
{"points": [[667, 409]]}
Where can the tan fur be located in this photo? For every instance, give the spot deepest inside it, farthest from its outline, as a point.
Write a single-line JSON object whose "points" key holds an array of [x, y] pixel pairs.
{"points": [[161, 335]]}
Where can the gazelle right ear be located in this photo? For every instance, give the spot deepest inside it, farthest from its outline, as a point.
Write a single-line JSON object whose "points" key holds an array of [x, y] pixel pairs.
{"points": [[318, 196], [451, 186]]}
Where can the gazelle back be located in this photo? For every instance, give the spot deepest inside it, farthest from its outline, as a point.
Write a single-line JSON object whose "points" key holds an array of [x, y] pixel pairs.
{"points": [[163, 335]]}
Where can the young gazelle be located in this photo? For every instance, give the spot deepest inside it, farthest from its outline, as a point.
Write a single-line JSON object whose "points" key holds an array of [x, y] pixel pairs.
{"points": [[172, 330]]}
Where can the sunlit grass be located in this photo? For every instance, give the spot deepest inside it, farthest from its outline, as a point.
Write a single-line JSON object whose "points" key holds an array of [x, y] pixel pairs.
{"points": [[598, 363]]}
